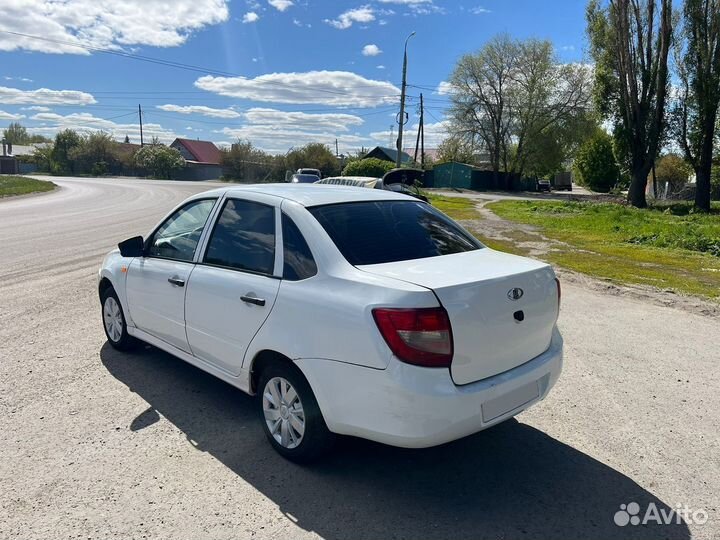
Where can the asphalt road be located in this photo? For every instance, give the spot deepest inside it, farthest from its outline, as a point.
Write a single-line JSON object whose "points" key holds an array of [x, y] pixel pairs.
{"points": [[99, 444]]}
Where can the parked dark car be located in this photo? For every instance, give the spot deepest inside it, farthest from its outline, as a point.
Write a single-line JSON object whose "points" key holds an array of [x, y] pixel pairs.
{"points": [[543, 185]]}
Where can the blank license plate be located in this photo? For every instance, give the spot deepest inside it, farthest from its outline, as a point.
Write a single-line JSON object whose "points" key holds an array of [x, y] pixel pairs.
{"points": [[508, 402]]}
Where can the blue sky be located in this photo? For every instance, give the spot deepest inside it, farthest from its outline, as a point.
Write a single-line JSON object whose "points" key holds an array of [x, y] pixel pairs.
{"points": [[280, 73]]}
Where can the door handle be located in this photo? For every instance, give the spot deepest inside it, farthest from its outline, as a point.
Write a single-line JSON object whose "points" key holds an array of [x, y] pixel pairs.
{"points": [[253, 300], [176, 281]]}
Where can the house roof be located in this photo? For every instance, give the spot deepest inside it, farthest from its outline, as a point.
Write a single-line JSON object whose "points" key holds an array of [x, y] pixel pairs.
{"points": [[430, 153], [204, 151], [389, 154]]}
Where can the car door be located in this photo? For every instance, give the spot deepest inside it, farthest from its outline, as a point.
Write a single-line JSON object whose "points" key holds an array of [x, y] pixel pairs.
{"points": [[156, 282], [233, 288]]}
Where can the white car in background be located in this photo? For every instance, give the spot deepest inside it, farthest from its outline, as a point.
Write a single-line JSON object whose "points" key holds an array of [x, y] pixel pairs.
{"points": [[345, 310]]}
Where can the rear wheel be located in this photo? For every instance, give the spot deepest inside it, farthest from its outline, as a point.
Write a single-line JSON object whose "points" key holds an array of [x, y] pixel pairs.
{"points": [[291, 418], [114, 321]]}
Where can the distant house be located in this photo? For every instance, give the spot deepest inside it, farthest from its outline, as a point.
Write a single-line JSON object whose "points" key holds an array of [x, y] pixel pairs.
{"points": [[388, 154], [11, 158], [202, 157], [430, 153]]}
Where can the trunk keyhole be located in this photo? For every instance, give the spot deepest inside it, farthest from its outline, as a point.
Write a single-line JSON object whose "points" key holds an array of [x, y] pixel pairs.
{"points": [[519, 316]]}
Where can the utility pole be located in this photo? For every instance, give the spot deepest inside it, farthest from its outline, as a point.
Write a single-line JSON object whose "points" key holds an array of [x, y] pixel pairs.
{"points": [[142, 143], [421, 130], [401, 119], [337, 152], [422, 133], [392, 134]]}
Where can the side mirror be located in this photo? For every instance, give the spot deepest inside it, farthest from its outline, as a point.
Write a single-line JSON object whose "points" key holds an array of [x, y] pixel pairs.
{"points": [[132, 247]]}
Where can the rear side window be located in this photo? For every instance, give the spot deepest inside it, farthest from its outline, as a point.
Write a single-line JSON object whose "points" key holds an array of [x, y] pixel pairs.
{"points": [[378, 232], [244, 237], [298, 260]]}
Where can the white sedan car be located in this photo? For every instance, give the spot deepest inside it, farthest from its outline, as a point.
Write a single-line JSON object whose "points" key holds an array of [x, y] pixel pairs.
{"points": [[345, 310]]}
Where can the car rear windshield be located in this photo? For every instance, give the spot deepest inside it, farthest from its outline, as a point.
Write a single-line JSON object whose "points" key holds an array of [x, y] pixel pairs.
{"points": [[378, 232]]}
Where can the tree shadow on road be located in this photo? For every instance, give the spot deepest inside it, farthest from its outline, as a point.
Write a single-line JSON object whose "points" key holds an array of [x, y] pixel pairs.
{"points": [[511, 481]]}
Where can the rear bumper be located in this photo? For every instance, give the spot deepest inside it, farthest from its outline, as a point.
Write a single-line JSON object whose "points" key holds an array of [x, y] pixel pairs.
{"points": [[417, 407]]}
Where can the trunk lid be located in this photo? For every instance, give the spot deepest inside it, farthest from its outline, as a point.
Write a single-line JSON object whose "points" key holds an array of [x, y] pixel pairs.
{"points": [[483, 292]]}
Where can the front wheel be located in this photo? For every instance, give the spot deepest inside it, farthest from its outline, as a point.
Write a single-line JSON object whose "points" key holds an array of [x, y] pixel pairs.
{"points": [[114, 321], [291, 418]]}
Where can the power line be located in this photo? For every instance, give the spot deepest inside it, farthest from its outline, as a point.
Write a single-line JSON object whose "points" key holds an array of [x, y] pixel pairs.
{"points": [[186, 67]]}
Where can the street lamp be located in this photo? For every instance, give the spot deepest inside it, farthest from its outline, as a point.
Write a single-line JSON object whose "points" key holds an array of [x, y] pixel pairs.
{"points": [[401, 120]]}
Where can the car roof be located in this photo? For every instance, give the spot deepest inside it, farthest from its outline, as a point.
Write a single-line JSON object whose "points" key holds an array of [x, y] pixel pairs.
{"points": [[310, 194]]}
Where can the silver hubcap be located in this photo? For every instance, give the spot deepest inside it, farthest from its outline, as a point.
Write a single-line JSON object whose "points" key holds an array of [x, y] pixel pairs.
{"points": [[283, 411], [112, 316]]}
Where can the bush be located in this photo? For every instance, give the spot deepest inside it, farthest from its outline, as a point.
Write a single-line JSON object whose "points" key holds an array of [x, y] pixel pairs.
{"points": [[368, 167], [96, 154], [159, 160], [245, 163], [595, 165]]}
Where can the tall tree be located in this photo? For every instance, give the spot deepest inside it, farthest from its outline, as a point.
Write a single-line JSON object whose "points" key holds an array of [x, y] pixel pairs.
{"points": [[510, 95], [545, 95], [696, 112], [15, 133], [480, 110], [630, 42]]}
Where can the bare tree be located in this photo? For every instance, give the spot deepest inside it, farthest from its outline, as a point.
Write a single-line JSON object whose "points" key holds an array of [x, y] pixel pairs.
{"points": [[480, 110], [510, 93], [695, 115], [630, 41]]}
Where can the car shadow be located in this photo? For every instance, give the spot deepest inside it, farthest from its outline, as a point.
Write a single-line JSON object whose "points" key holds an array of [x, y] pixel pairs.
{"points": [[507, 482]]}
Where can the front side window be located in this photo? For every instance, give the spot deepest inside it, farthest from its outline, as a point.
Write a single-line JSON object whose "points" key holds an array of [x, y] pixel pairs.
{"points": [[376, 232], [298, 259], [244, 237], [178, 237]]}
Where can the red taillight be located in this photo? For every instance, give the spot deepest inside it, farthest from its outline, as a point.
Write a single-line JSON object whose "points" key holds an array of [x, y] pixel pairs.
{"points": [[557, 282], [417, 336]]}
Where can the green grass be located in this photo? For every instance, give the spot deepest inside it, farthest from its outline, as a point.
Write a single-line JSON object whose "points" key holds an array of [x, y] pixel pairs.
{"points": [[669, 246], [455, 207], [20, 185]]}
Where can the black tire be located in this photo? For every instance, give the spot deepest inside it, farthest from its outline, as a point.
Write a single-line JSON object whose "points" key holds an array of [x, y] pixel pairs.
{"points": [[317, 440], [125, 342]]}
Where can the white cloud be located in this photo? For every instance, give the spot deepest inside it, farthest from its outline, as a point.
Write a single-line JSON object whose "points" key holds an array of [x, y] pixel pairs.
{"points": [[276, 131], [364, 14], [371, 50], [280, 5], [44, 96], [200, 109], [380, 66], [435, 133], [10, 116], [274, 119], [21, 79], [444, 88], [250, 17], [38, 108], [278, 141], [479, 10], [104, 23], [334, 88], [86, 123], [568, 48]]}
